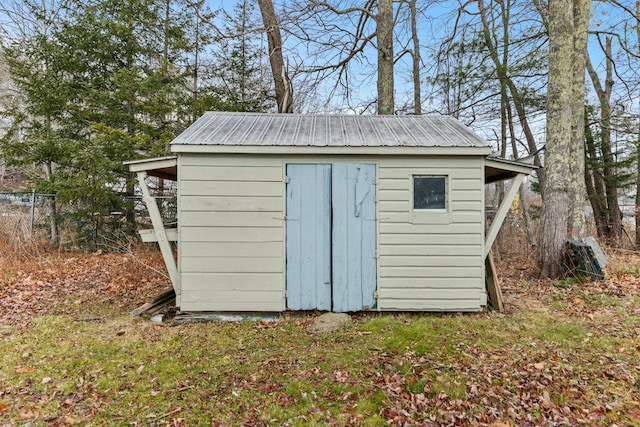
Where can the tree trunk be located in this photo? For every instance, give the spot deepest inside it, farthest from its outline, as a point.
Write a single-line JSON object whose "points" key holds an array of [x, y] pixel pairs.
{"points": [[614, 224], [54, 239], [609, 168], [577, 217], [384, 35], [506, 82], [518, 102], [638, 148], [638, 180], [523, 196], [196, 63], [283, 89], [595, 186], [555, 209], [531, 237], [417, 93]]}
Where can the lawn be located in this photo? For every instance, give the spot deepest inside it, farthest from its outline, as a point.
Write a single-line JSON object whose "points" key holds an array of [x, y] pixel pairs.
{"points": [[564, 353]]}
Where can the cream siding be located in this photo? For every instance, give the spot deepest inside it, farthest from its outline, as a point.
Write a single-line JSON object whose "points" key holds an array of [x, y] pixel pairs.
{"points": [[431, 260], [232, 233], [231, 237]]}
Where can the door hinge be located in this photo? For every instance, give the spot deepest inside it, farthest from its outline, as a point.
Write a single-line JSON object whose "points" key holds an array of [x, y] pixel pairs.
{"points": [[376, 295], [286, 180]]}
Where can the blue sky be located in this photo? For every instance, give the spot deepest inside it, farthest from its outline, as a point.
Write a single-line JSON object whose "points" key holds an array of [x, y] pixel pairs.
{"points": [[435, 22]]}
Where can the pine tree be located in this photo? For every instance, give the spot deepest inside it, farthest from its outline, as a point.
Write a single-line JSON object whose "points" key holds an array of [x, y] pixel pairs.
{"points": [[99, 89], [240, 79], [38, 139]]}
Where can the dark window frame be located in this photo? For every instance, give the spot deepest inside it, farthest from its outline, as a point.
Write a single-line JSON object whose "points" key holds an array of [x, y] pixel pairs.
{"points": [[437, 185]]}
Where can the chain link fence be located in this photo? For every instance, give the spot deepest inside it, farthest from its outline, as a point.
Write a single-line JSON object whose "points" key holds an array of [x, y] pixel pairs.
{"points": [[27, 217], [24, 212]]}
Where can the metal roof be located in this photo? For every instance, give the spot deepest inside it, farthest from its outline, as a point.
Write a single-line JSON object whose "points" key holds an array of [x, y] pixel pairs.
{"points": [[299, 130]]}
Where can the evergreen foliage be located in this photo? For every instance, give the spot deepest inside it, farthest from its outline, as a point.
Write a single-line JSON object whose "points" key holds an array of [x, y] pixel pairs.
{"points": [[241, 79], [106, 84], [95, 83]]}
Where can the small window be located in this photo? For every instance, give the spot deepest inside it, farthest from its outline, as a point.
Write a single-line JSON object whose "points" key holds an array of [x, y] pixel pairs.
{"points": [[429, 192]]}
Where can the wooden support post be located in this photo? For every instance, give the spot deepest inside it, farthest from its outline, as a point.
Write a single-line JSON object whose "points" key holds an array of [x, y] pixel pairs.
{"points": [[493, 285], [501, 214], [158, 227]]}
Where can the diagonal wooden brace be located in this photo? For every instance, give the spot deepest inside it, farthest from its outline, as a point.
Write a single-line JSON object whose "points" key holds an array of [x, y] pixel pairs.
{"points": [[501, 214], [160, 232]]}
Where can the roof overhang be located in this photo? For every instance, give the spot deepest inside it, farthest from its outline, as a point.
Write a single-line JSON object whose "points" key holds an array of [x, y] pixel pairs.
{"points": [[331, 150], [498, 169], [161, 167]]}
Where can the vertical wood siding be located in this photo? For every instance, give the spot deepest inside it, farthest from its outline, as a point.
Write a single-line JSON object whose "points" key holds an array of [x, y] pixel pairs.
{"points": [[431, 261], [231, 236], [331, 237], [354, 237], [309, 237]]}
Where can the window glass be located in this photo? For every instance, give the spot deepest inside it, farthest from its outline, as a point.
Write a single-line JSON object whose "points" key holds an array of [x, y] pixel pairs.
{"points": [[429, 192]]}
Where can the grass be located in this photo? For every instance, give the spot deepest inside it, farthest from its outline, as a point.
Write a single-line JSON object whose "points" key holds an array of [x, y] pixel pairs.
{"points": [[122, 370], [560, 354]]}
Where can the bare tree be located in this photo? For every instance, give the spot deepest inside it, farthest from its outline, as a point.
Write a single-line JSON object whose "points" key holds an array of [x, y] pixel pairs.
{"points": [[509, 91], [608, 199], [340, 38], [384, 36], [637, 206], [283, 87], [23, 18], [415, 56]]}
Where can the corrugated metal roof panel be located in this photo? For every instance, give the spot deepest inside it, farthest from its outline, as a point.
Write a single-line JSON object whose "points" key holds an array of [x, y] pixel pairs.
{"points": [[255, 129]]}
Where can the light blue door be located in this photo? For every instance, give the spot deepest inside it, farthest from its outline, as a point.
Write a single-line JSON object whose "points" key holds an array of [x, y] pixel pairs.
{"points": [[309, 237], [353, 237], [331, 237]]}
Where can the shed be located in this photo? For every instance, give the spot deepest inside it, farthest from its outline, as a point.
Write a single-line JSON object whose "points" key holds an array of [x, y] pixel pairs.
{"points": [[340, 213]]}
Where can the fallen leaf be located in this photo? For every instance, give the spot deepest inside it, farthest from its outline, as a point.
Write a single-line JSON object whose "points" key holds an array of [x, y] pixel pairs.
{"points": [[27, 415]]}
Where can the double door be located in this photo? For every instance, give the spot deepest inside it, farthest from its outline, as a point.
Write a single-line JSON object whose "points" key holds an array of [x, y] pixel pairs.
{"points": [[331, 237]]}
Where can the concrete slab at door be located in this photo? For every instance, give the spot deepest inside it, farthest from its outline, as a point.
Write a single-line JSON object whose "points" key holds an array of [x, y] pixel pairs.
{"points": [[309, 237], [354, 237]]}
